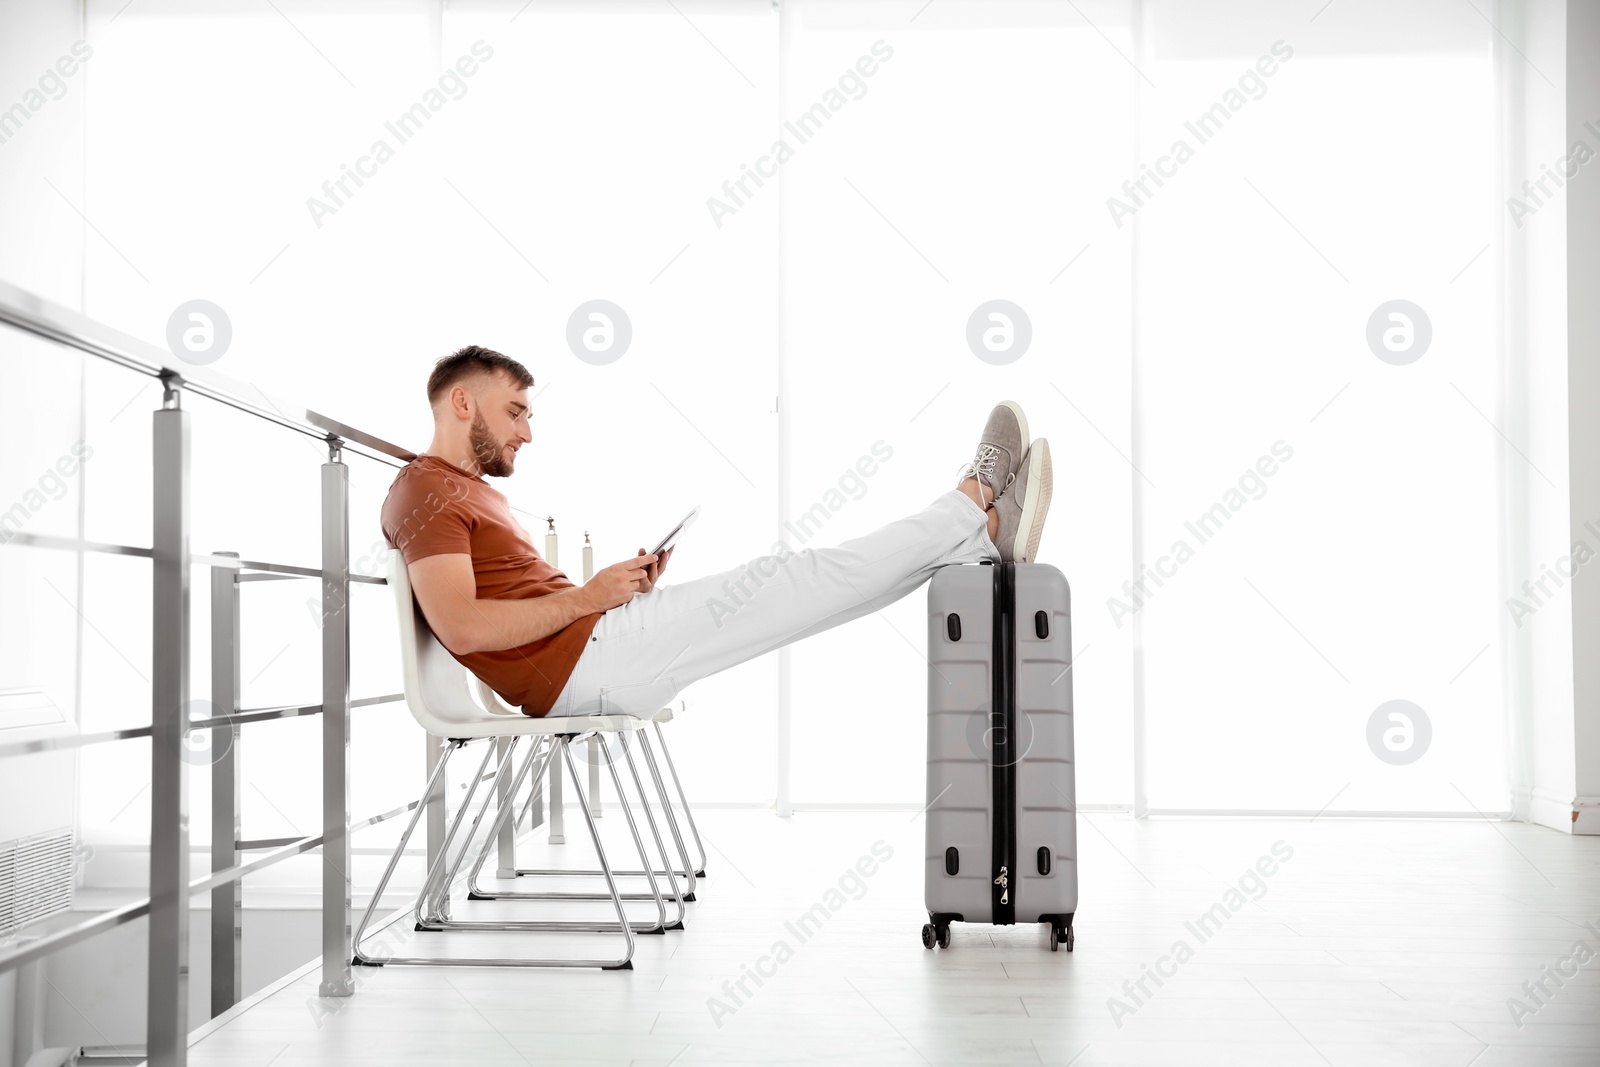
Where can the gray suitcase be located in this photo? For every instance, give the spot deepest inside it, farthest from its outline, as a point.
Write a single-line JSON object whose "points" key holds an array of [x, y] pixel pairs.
{"points": [[1002, 844]]}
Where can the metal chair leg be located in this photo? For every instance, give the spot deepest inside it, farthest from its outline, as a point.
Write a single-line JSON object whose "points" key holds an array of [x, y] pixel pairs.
{"points": [[477, 892], [621, 925], [683, 799], [666, 807], [655, 832], [444, 922], [359, 959], [506, 762], [594, 835], [507, 838], [426, 896], [533, 802], [666, 859], [504, 819], [553, 872]]}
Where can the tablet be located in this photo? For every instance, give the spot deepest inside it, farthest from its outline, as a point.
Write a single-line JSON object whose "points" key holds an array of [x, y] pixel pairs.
{"points": [[671, 538]]}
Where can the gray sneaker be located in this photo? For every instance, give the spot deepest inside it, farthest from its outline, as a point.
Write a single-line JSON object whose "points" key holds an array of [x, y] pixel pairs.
{"points": [[1000, 449], [1023, 505]]}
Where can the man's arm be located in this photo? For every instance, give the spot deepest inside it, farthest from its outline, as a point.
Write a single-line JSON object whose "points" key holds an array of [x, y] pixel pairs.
{"points": [[447, 592]]}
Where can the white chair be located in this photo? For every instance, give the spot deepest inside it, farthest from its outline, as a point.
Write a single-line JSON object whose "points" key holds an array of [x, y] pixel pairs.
{"points": [[439, 696], [433, 913]]}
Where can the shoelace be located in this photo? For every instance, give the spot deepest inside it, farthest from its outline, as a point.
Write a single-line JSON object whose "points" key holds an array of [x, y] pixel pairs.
{"points": [[982, 467]]}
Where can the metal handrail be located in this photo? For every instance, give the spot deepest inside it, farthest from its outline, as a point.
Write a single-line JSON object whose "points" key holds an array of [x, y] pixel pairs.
{"points": [[110, 920], [72, 741], [285, 848], [364, 702], [285, 570], [68, 742], [50, 320], [291, 711], [249, 568], [73, 544], [167, 906]]}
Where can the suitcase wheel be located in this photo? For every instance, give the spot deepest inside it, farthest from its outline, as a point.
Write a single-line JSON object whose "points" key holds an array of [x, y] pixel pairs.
{"points": [[927, 935], [1060, 935], [944, 936], [935, 935]]}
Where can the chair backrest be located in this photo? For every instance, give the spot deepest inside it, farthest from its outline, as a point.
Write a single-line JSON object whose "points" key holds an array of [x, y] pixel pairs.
{"points": [[438, 687]]}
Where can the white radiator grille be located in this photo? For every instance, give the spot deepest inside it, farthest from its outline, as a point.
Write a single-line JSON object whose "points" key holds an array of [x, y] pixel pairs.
{"points": [[35, 879]]}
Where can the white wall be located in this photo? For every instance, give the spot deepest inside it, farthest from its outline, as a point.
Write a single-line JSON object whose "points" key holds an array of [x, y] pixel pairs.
{"points": [[1539, 515], [1583, 339], [41, 146], [41, 141], [577, 162], [1356, 563], [445, 246], [971, 168], [550, 180]]}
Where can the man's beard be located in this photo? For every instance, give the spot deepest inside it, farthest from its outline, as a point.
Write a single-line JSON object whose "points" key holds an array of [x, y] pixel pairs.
{"points": [[490, 454]]}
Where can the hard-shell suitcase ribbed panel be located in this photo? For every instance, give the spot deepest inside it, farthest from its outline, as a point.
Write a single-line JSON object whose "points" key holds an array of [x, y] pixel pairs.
{"points": [[1046, 780], [960, 699]]}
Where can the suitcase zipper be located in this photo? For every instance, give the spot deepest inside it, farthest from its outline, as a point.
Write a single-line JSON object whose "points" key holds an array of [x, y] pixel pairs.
{"points": [[1002, 750]]}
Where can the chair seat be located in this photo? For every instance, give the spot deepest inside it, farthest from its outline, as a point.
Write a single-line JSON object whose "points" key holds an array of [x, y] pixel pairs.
{"points": [[492, 725], [491, 700]]}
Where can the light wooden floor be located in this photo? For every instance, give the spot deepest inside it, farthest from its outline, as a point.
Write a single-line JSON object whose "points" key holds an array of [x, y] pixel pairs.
{"points": [[1378, 942]]}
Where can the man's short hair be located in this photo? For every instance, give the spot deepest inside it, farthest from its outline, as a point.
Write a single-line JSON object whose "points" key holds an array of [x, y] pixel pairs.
{"points": [[470, 362]]}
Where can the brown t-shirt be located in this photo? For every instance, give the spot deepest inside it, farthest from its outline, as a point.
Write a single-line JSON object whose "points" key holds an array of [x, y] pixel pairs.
{"points": [[435, 507]]}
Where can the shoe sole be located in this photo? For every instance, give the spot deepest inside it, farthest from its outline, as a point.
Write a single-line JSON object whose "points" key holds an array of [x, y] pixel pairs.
{"points": [[1031, 527]]}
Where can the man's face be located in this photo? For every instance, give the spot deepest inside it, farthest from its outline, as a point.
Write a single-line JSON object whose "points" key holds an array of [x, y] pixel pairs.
{"points": [[499, 426]]}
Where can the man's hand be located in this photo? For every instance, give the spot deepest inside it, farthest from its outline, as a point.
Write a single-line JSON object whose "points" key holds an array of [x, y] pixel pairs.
{"points": [[615, 585], [653, 573]]}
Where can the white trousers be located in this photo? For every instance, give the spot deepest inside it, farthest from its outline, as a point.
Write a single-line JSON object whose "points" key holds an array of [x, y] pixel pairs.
{"points": [[644, 652]]}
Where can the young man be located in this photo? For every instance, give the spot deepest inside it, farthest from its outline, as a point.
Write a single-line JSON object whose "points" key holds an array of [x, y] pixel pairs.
{"points": [[618, 643]]}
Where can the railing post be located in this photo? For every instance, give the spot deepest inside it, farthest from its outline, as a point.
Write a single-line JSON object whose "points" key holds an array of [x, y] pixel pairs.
{"points": [[226, 900], [27, 1034], [336, 980], [167, 1007]]}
